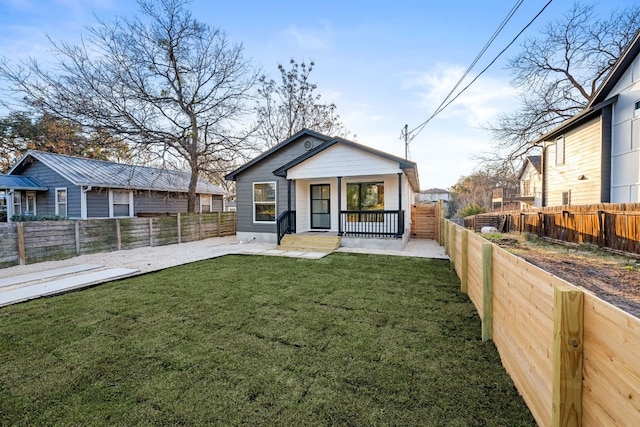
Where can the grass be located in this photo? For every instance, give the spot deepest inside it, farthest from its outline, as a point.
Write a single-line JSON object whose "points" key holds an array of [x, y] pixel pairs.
{"points": [[247, 340]]}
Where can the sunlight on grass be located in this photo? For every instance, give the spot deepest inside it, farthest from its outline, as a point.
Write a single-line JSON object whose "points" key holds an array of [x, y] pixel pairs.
{"points": [[346, 340]]}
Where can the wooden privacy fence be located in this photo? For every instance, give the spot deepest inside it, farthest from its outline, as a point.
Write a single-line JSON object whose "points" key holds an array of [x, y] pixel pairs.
{"points": [[424, 221], [37, 241], [612, 226], [572, 356]]}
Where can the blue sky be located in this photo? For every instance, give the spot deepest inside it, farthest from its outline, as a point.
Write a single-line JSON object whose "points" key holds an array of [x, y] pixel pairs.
{"points": [[384, 63]]}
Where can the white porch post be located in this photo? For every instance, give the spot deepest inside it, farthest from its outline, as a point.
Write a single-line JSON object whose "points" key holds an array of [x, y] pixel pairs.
{"points": [[400, 232], [339, 206]]}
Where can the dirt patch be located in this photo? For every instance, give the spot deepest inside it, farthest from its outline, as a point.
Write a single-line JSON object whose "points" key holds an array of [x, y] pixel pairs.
{"points": [[614, 278]]}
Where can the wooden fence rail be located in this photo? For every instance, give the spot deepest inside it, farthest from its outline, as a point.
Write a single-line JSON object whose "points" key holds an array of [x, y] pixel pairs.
{"points": [[572, 356], [612, 226], [31, 242]]}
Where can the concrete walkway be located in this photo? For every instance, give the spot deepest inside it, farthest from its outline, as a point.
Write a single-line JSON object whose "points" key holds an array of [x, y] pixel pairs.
{"points": [[24, 282]]}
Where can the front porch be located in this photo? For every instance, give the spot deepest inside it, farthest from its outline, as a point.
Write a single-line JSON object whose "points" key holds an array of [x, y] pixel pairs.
{"points": [[382, 229]]}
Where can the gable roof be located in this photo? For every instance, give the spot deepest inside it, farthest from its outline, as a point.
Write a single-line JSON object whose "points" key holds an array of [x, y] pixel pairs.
{"points": [[232, 176], [16, 182], [536, 162], [598, 100], [620, 67], [100, 173], [409, 167]]}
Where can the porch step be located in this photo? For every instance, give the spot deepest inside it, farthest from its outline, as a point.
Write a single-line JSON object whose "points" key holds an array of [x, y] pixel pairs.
{"points": [[309, 243]]}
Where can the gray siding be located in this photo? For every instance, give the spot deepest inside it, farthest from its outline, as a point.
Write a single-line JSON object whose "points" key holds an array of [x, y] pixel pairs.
{"points": [[45, 202], [263, 172], [159, 202]]}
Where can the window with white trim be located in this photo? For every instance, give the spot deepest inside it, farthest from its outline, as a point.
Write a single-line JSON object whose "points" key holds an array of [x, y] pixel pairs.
{"points": [[264, 201], [121, 203], [205, 203], [61, 202], [636, 109], [17, 203], [30, 199], [560, 151], [566, 198]]}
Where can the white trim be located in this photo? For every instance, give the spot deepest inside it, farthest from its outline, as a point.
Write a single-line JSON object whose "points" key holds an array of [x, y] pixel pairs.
{"points": [[57, 202], [16, 200], [26, 199], [83, 201], [560, 150], [275, 201], [130, 194], [210, 204]]}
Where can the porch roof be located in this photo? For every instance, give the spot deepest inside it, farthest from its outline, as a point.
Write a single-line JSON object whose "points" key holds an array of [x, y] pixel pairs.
{"points": [[407, 166], [20, 183]]}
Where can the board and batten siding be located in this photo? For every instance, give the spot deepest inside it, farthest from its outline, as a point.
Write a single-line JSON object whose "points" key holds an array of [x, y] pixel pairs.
{"points": [[581, 172], [354, 166], [343, 160], [45, 202], [263, 172], [625, 147]]}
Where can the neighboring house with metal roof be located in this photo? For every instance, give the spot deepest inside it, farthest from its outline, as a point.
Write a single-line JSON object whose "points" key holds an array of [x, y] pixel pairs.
{"points": [[594, 157], [43, 183], [315, 183]]}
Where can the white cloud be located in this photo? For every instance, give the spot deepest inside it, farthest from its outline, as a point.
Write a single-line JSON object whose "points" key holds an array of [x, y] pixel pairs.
{"points": [[309, 38], [479, 104]]}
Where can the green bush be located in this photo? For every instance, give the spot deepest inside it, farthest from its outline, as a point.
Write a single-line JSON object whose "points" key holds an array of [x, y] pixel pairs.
{"points": [[471, 210], [23, 218]]}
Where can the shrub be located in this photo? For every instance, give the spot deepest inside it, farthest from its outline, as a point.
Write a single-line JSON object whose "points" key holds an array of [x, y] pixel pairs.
{"points": [[23, 218], [471, 210]]}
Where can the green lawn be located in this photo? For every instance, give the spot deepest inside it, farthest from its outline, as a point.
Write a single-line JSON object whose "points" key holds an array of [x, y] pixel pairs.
{"points": [[249, 340]]}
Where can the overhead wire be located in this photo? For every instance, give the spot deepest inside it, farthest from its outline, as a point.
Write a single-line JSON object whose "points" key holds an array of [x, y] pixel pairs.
{"points": [[505, 21], [415, 131]]}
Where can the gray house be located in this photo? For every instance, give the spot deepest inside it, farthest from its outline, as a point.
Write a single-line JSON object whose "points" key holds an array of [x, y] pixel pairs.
{"points": [[314, 183], [51, 184]]}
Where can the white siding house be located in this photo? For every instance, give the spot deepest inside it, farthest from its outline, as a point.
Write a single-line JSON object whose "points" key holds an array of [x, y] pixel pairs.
{"points": [[594, 157], [332, 185]]}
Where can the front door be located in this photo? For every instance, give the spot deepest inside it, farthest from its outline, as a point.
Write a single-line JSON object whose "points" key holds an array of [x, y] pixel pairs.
{"points": [[320, 206]]}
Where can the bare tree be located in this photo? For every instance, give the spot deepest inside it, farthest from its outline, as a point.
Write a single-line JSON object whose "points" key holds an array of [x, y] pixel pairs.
{"points": [[476, 190], [559, 71], [161, 81], [22, 130], [287, 107]]}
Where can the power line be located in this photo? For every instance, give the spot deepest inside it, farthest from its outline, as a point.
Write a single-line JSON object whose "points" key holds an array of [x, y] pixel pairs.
{"points": [[484, 49], [415, 131]]}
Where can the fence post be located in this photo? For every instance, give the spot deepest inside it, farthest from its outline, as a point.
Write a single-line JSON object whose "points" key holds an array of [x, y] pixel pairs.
{"points": [[452, 255], [440, 221], [118, 235], [151, 232], [445, 238], [22, 257], [219, 223], [199, 225], [568, 334], [464, 262], [179, 228], [487, 291], [77, 237]]}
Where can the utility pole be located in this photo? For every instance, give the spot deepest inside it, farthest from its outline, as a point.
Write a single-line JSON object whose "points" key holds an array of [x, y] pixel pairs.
{"points": [[406, 141]]}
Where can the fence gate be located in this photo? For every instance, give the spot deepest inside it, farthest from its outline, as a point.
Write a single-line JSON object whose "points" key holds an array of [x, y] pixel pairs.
{"points": [[424, 221]]}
